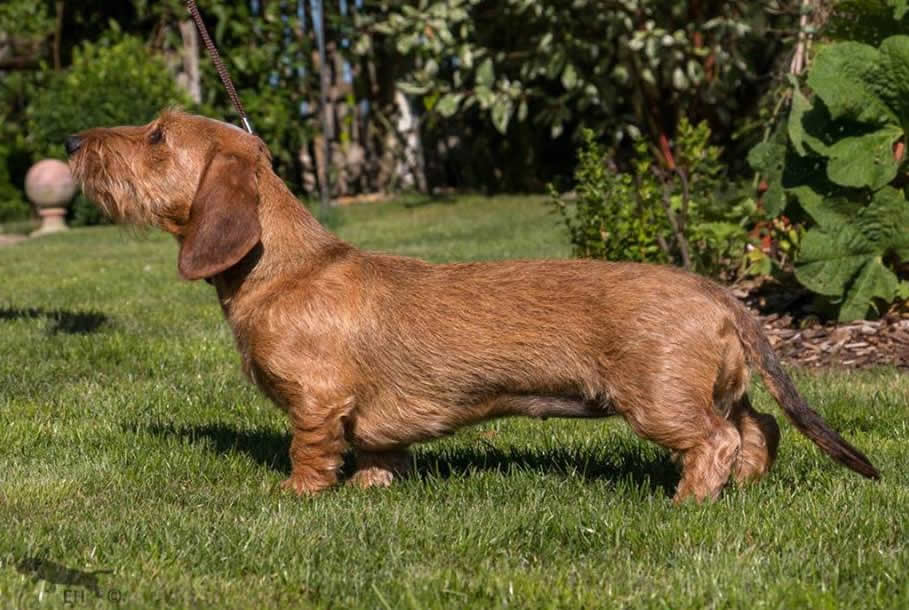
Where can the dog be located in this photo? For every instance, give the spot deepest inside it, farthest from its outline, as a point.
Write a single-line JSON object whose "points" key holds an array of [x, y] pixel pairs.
{"points": [[374, 352]]}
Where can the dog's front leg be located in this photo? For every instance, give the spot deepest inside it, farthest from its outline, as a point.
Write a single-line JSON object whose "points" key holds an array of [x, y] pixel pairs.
{"points": [[317, 446]]}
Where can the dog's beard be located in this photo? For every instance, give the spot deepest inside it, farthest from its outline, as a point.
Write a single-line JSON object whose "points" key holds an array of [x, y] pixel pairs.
{"points": [[109, 183]]}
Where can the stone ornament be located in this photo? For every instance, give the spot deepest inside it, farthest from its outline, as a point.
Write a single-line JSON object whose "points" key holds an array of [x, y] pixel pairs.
{"points": [[50, 186]]}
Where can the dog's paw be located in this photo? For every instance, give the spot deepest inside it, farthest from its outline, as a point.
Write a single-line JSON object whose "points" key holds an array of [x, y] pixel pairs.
{"points": [[303, 486], [372, 477]]}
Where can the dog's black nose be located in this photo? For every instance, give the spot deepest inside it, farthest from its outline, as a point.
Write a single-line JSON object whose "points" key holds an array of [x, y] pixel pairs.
{"points": [[72, 144]]}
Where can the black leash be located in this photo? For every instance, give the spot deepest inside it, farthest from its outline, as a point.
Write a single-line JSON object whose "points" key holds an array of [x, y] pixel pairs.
{"points": [[219, 65]]}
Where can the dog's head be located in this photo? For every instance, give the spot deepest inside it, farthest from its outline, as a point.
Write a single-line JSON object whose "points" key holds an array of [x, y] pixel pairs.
{"points": [[194, 177]]}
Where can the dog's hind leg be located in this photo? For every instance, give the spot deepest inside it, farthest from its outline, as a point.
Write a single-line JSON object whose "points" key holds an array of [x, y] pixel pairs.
{"points": [[760, 439], [706, 467], [380, 468], [684, 421]]}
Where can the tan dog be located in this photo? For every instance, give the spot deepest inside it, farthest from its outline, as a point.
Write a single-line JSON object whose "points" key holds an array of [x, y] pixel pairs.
{"points": [[377, 352]]}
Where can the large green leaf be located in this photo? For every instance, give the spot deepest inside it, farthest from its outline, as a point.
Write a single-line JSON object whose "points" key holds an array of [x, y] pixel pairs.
{"points": [[861, 110], [828, 260], [885, 221], [826, 210], [895, 88], [847, 76], [866, 160], [843, 255], [840, 168], [874, 281]]}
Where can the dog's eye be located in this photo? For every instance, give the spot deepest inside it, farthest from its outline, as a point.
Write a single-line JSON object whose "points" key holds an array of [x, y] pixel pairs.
{"points": [[156, 136]]}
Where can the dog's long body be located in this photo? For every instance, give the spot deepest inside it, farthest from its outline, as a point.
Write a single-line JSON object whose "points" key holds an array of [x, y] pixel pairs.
{"points": [[377, 352]]}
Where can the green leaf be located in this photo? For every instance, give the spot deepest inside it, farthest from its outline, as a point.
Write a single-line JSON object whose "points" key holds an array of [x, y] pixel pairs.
{"points": [[895, 64], [843, 255], [800, 105], [827, 211], [679, 80], [466, 56], [847, 76], [767, 158], [501, 113], [448, 104], [826, 264], [485, 74], [885, 220], [867, 160], [902, 290], [484, 96], [569, 77], [874, 281], [900, 8], [406, 43]]}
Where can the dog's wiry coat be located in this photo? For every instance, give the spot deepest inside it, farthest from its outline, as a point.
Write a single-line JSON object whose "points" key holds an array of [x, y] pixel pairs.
{"points": [[376, 352]]}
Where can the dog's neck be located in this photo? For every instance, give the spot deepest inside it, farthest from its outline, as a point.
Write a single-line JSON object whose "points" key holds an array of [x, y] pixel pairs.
{"points": [[291, 236], [292, 241]]}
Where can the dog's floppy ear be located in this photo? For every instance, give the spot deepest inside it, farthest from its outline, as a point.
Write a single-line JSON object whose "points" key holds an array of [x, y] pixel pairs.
{"points": [[223, 220]]}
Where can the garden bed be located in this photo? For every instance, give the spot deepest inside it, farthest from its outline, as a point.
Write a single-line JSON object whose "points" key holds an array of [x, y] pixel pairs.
{"points": [[802, 338]]}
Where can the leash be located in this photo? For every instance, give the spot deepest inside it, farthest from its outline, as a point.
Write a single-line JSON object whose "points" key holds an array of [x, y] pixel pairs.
{"points": [[219, 65]]}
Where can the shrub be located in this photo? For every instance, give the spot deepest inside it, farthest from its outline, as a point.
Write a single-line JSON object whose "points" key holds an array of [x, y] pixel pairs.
{"points": [[657, 213], [116, 84], [607, 222], [12, 204], [841, 153]]}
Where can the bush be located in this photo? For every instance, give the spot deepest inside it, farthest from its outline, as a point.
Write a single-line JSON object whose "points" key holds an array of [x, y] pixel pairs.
{"points": [[538, 70], [658, 214], [107, 84], [12, 205], [841, 153]]}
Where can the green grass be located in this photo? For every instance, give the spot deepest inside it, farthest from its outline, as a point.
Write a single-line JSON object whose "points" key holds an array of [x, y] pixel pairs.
{"points": [[130, 442]]}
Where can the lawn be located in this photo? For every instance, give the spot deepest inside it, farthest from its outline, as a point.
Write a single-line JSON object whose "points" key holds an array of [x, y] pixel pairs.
{"points": [[137, 465]]}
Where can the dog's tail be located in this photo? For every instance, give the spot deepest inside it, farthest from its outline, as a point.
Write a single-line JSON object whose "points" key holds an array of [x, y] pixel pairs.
{"points": [[760, 353]]}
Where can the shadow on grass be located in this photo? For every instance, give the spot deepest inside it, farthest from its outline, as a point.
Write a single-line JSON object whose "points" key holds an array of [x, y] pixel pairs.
{"points": [[264, 447], [38, 568], [427, 200], [64, 321], [271, 449], [658, 472]]}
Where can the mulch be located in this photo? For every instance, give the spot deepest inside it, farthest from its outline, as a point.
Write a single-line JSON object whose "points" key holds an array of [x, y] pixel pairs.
{"points": [[800, 336]]}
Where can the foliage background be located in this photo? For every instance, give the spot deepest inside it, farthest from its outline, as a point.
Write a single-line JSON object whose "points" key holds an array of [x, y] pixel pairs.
{"points": [[499, 91], [482, 95]]}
